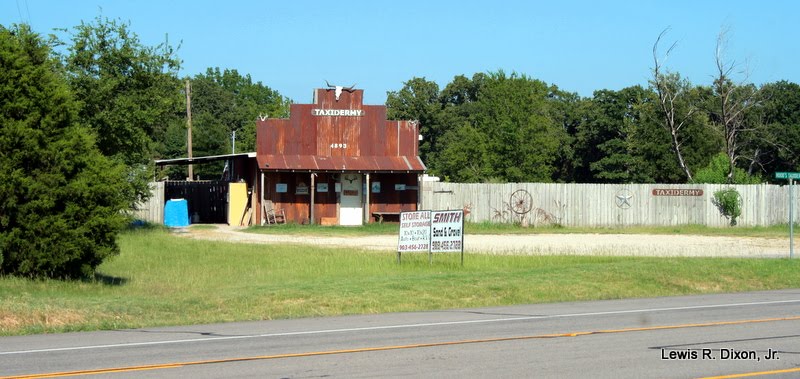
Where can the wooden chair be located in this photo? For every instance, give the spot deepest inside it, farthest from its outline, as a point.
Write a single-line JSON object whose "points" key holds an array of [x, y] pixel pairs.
{"points": [[272, 215]]}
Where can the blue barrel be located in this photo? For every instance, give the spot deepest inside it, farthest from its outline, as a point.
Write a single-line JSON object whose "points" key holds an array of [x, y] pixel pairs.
{"points": [[176, 213]]}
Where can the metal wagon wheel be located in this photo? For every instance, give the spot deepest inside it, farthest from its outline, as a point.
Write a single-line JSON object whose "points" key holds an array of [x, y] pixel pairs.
{"points": [[521, 202]]}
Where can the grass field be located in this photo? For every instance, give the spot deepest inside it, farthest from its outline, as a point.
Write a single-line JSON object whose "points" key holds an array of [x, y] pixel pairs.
{"points": [[778, 231], [161, 279]]}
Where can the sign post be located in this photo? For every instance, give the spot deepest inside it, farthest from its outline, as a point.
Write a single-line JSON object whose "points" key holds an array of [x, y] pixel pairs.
{"points": [[791, 176]]}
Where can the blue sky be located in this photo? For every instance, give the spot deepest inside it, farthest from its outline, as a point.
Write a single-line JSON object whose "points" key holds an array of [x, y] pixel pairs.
{"points": [[580, 46]]}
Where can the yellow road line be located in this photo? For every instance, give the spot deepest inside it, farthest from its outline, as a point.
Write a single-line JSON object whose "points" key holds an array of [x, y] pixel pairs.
{"points": [[760, 373], [399, 347]]}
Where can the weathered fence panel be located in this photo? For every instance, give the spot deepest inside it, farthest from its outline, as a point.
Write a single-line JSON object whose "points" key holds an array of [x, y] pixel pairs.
{"points": [[610, 204], [152, 210]]}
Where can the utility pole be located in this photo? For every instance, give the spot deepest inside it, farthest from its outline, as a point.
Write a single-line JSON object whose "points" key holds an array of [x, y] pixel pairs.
{"points": [[189, 125]]}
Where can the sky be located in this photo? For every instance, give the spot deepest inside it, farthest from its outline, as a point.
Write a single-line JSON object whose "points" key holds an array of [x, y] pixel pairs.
{"points": [[294, 46]]}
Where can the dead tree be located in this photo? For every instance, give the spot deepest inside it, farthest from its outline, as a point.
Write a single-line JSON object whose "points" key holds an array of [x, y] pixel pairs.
{"points": [[734, 101], [670, 90]]}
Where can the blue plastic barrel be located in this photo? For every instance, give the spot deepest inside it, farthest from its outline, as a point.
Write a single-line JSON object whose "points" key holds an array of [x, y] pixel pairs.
{"points": [[176, 213]]}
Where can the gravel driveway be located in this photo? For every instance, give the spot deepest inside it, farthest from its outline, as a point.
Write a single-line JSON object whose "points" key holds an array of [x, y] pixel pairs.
{"points": [[597, 244]]}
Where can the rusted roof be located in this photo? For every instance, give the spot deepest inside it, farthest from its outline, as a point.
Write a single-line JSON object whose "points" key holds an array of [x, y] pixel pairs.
{"points": [[339, 164]]}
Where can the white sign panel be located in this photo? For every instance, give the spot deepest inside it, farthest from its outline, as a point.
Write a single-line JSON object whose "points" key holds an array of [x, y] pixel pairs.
{"points": [[322, 187], [338, 112], [447, 231], [281, 187], [415, 228]]}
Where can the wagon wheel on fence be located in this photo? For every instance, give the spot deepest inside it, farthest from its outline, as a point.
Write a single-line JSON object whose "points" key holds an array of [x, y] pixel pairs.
{"points": [[521, 202]]}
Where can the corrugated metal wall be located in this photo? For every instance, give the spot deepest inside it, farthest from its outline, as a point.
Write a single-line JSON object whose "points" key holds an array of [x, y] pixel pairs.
{"points": [[605, 204]]}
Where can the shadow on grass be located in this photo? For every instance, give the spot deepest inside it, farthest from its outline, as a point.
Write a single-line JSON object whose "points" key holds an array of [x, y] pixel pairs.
{"points": [[109, 280], [142, 225]]}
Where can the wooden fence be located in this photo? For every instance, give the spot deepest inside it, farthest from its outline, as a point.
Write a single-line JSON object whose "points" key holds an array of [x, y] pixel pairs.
{"points": [[612, 205], [152, 210]]}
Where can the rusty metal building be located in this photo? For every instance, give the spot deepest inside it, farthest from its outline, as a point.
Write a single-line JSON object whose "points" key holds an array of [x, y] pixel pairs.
{"points": [[337, 162]]}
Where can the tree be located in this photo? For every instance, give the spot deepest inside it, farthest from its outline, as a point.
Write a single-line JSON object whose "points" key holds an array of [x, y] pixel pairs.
{"points": [[778, 142], [717, 173], [419, 100], [61, 200], [565, 111], [611, 140], [493, 127], [733, 102], [675, 111], [224, 101], [128, 93], [513, 112], [463, 157]]}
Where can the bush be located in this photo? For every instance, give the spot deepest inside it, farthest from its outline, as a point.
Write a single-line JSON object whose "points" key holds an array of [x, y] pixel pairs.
{"points": [[61, 201], [729, 203], [717, 173]]}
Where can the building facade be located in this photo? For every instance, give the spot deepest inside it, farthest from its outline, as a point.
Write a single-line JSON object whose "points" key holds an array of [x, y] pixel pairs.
{"points": [[337, 162]]}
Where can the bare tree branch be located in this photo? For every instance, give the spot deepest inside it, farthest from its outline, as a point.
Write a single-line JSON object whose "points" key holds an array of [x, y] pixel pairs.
{"points": [[669, 89], [735, 101]]}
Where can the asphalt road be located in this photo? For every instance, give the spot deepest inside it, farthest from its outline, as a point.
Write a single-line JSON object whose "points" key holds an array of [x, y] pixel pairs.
{"points": [[676, 337]]}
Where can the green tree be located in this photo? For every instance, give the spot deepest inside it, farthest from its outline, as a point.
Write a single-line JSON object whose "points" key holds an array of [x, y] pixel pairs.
{"points": [[236, 101], [565, 110], [514, 114], [775, 145], [493, 127], [61, 200], [419, 100], [717, 173], [128, 92], [224, 101], [464, 155], [609, 137]]}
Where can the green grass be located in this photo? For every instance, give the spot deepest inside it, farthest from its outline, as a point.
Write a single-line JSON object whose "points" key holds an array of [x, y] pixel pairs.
{"points": [[202, 226], [161, 279], [777, 231], [327, 231]]}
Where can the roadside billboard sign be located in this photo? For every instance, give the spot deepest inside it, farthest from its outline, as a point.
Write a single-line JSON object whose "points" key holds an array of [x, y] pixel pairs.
{"points": [[415, 232], [432, 232], [447, 231]]}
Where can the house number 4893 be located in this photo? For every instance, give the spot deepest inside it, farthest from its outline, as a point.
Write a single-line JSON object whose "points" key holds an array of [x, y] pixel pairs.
{"points": [[338, 146]]}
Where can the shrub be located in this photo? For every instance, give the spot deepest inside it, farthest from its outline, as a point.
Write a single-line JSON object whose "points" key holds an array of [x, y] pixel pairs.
{"points": [[729, 203], [717, 172], [61, 201]]}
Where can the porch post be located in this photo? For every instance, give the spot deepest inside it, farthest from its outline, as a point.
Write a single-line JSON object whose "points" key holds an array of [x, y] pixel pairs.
{"points": [[368, 190], [419, 192], [260, 201], [312, 194]]}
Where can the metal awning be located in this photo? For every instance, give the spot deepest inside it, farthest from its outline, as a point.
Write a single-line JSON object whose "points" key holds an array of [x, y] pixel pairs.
{"points": [[210, 158], [316, 163]]}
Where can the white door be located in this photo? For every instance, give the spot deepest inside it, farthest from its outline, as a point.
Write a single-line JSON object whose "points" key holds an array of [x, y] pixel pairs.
{"points": [[351, 210]]}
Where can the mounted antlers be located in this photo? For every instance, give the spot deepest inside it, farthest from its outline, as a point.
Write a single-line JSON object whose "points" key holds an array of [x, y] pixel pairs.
{"points": [[339, 89]]}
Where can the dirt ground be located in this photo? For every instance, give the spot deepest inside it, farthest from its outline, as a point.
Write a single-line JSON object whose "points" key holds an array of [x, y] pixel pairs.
{"points": [[584, 244]]}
